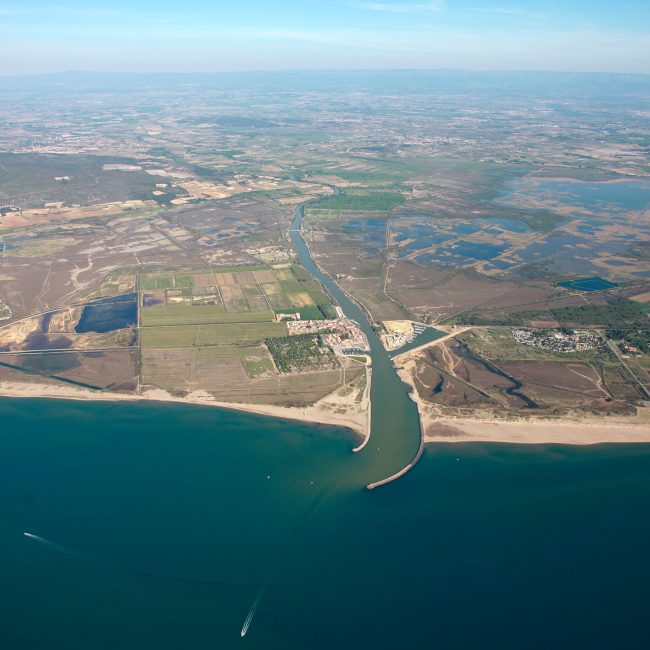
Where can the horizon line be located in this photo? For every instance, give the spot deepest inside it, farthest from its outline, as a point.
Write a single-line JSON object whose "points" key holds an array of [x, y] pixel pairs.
{"points": [[14, 75]]}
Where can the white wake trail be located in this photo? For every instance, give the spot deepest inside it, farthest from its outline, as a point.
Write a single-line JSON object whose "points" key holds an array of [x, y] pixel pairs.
{"points": [[253, 609], [45, 542]]}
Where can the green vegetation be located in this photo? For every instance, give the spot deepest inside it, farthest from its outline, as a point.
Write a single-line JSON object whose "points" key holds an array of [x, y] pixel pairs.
{"points": [[183, 281], [157, 282], [371, 201], [638, 337], [473, 318], [543, 221], [300, 353], [180, 336], [368, 177], [319, 312], [258, 364], [199, 314], [5, 311], [613, 313]]}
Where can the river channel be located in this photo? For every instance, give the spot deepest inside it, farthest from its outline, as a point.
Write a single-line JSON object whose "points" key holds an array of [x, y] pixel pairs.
{"points": [[395, 439]]}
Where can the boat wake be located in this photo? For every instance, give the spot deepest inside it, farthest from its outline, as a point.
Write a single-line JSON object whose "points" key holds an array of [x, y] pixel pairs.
{"points": [[302, 522], [253, 609], [45, 542]]}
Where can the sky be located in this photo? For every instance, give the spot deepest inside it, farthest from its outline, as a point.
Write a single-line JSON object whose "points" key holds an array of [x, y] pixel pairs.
{"points": [[213, 36]]}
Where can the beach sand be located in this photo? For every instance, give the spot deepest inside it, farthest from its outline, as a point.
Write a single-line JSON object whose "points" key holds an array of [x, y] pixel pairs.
{"points": [[331, 410], [590, 431], [563, 430]]}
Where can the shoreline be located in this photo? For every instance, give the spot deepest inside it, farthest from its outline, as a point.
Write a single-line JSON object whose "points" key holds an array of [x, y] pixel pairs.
{"points": [[537, 432], [438, 428], [313, 414]]}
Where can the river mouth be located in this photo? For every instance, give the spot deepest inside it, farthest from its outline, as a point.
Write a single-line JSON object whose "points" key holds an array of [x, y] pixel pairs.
{"points": [[395, 440]]}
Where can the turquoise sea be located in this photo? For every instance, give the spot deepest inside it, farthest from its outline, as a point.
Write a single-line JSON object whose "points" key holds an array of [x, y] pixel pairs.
{"points": [[158, 523]]}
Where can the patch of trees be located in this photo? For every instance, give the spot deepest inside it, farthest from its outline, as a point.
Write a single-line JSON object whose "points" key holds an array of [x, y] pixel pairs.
{"points": [[301, 352], [613, 313], [638, 337]]}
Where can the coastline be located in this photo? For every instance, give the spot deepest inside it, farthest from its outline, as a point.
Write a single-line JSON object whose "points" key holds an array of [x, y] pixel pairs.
{"points": [[536, 432], [318, 413], [531, 431]]}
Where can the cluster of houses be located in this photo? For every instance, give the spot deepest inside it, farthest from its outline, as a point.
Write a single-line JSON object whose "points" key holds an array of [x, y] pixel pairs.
{"points": [[558, 341], [342, 335], [5, 311]]}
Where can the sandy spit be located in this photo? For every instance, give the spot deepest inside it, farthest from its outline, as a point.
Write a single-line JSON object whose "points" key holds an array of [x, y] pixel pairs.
{"points": [[566, 432]]}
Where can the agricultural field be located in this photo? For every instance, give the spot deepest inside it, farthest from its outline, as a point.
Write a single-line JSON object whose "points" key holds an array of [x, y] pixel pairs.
{"points": [[215, 330], [255, 293]]}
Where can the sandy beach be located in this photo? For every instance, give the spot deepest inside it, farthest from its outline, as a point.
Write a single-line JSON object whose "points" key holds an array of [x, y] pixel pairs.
{"points": [[578, 431], [563, 431], [331, 410]]}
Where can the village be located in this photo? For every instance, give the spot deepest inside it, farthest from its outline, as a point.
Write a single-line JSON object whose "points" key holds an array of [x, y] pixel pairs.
{"points": [[558, 341], [342, 335]]}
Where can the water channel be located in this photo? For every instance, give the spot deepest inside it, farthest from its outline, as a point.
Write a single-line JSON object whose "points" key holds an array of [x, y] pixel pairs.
{"points": [[395, 440]]}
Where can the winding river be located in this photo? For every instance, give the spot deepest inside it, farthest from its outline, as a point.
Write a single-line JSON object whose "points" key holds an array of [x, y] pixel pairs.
{"points": [[395, 442]]}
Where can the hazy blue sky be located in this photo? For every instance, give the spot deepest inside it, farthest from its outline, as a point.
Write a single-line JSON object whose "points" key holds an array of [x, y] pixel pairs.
{"points": [[203, 35]]}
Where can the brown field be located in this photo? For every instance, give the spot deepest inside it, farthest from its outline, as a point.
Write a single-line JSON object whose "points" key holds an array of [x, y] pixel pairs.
{"points": [[576, 377], [244, 277], [257, 303], [225, 279], [231, 292], [451, 293], [204, 280], [265, 276]]}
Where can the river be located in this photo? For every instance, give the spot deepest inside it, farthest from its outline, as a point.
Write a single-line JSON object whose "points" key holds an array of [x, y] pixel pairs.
{"points": [[395, 439]]}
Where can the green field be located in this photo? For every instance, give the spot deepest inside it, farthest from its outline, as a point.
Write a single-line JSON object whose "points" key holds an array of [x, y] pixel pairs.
{"points": [[347, 201], [180, 336], [199, 314], [157, 282]]}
